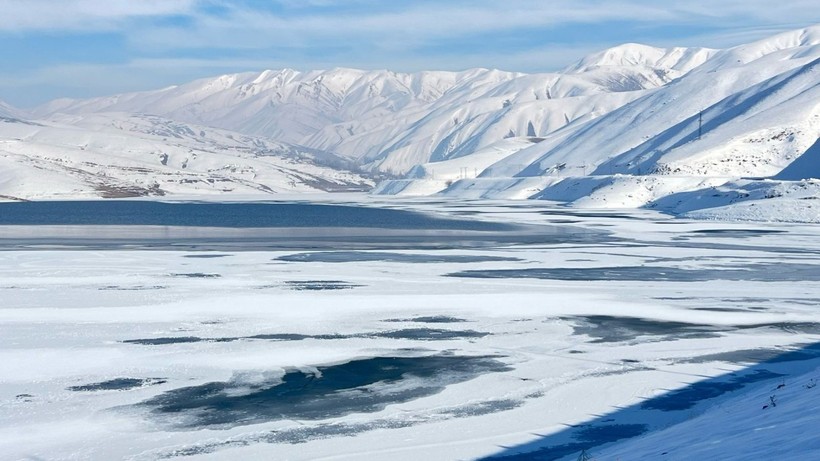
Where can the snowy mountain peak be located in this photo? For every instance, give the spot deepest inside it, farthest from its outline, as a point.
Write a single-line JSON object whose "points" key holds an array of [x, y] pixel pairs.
{"points": [[779, 47], [635, 54], [390, 121], [808, 36], [608, 106]]}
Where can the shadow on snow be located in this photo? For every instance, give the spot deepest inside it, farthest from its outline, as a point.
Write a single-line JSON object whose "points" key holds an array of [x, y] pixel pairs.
{"points": [[664, 410]]}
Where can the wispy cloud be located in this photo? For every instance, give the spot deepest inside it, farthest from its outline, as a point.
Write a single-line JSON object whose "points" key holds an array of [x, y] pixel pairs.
{"points": [[73, 15], [408, 22], [369, 17], [195, 38]]}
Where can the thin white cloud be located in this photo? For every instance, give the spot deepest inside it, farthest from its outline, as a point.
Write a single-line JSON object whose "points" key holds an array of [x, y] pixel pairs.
{"points": [[411, 25], [56, 15], [86, 80], [231, 35], [400, 30], [249, 27], [319, 18]]}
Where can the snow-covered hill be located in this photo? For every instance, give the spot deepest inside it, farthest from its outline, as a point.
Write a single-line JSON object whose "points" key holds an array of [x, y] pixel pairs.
{"points": [[629, 126], [7, 111], [764, 101], [392, 121], [121, 155], [677, 61], [748, 111]]}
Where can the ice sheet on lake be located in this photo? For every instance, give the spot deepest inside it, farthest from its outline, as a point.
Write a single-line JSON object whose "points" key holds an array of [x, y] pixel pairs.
{"points": [[113, 352]]}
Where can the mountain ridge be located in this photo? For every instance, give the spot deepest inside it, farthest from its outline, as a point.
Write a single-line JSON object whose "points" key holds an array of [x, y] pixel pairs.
{"points": [[369, 116], [640, 122]]}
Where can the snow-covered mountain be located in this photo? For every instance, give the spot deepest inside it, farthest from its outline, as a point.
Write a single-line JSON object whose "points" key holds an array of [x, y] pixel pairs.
{"points": [[282, 104], [122, 155], [629, 126], [392, 121], [676, 61], [748, 111], [768, 90]]}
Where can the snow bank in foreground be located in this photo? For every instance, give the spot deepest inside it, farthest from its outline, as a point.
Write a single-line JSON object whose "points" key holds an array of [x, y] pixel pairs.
{"points": [[739, 427], [780, 210], [766, 200]]}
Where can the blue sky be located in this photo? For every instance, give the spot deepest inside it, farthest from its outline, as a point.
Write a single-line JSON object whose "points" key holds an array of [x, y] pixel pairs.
{"points": [[84, 48]]}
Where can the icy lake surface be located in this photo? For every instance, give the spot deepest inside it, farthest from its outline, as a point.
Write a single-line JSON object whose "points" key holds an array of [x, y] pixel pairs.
{"points": [[398, 330], [263, 225]]}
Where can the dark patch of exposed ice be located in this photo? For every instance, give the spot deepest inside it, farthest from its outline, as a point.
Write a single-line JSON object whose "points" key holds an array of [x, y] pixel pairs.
{"points": [[118, 384], [607, 329], [307, 432], [752, 272], [429, 334], [758, 356], [379, 256], [812, 328], [430, 319], [294, 337], [365, 385], [196, 275], [320, 285], [132, 288], [164, 341], [733, 233], [418, 334]]}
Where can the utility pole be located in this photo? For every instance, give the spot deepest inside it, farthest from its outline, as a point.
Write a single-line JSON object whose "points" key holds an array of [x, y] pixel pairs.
{"points": [[700, 124]]}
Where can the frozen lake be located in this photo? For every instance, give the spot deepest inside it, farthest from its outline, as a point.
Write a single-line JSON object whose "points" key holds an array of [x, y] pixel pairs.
{"points": [[255, 226], [393, 330], [228, 215]]}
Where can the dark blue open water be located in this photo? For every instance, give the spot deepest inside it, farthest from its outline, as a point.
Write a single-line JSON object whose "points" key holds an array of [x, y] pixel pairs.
{"points": [[113, 224], [235, 215]]}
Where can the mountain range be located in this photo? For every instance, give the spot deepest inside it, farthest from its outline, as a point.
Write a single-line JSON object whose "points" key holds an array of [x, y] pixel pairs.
{"points": [[116, 155], [628, 126]]}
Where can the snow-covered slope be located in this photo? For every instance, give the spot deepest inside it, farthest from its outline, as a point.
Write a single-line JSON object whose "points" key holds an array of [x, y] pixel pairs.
{"points": [[769, 421], [806, 166], [431, 178], [625, 127], [7, 111], [748, 111], [282, 104], [120, 155], [392, 121], [744, 93], [754, 132], [674, 60]]}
